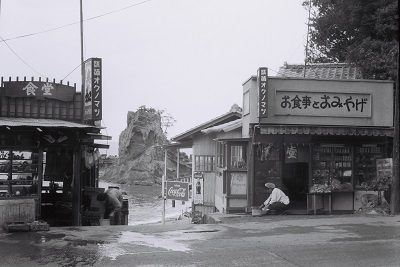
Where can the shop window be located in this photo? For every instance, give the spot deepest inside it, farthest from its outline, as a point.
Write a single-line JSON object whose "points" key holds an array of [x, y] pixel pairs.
{"points": [[332, 168], [221, 155], [18, 173], [238, 157], [365, 157], [204, 163]]}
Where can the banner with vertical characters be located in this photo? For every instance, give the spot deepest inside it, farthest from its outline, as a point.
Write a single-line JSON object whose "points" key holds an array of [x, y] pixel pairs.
{"points": [[262, 82], [93, 89]]}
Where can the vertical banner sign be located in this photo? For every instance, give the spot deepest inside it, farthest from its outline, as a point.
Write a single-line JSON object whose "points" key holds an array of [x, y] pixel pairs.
{"points": [[291, 153], [198, 180], [178, 191], [93, 89], [262, 82]]}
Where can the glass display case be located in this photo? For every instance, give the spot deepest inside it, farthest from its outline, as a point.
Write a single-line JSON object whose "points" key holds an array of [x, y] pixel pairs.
{"points": [[332, 168], [18, 173]]}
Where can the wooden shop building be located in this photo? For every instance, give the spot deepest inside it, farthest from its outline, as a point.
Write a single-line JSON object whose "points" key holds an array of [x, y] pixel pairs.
{"points": [[48, 153]]}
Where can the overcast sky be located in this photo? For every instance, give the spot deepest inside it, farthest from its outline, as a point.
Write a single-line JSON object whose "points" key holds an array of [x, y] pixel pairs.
{"points": [[189, 57]]}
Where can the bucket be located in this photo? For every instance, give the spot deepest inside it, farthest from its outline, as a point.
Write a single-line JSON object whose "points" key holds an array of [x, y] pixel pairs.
{"points": [[256, 211], [104, 222]]}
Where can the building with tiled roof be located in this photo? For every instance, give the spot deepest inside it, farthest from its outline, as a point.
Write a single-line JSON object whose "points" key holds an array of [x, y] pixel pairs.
{"points": [[319, 71]]}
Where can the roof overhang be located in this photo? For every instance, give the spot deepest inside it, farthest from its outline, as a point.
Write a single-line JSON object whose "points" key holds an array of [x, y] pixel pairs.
{"points": [[232, 140], [226, 127], [327, 130], [177, 145], [230, 116], [45, 123]]}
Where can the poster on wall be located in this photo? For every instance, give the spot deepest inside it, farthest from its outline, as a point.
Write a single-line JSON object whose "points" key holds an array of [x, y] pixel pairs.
{"points": [[198, 185], [93, 89], [238, 183], [384, 167]]}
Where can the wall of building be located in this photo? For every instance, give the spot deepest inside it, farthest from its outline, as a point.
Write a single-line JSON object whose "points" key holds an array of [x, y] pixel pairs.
{"points": [[380, 93]]}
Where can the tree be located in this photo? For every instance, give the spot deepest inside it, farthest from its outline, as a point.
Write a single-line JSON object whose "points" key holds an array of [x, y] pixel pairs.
{"points": [[359, 32], [364, 33], [167, 120]]}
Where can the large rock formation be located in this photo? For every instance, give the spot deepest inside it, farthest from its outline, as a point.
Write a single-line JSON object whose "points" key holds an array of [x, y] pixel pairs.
{"points": [[141, 157]]}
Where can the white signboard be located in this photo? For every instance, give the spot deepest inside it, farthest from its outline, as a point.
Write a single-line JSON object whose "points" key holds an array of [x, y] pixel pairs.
{"points": [[306, 103]]}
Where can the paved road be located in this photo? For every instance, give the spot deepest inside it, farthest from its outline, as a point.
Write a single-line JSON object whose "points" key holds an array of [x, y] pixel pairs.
{"points": [[346, 240]]}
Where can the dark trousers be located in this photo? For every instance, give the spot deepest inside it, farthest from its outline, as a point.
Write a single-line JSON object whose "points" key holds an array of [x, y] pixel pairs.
{"points": [[278, 207]]}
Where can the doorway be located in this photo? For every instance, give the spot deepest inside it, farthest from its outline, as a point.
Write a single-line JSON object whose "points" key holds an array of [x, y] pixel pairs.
{"points": [[295, 180]]}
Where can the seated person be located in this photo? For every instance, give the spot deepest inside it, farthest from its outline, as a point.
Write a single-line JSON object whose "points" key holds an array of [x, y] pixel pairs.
{"points": [[277, 202], [111, 205]]}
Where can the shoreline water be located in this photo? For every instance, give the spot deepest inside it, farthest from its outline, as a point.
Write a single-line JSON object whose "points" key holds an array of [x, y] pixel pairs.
{"points": [[146, 204]]}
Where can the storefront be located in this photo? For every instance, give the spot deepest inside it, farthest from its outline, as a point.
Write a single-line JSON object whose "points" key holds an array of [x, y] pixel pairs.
{"points": [[316, 139], [48, 154]]}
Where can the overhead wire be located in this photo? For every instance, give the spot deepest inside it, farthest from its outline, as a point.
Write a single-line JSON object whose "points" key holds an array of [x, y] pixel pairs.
{"points": [[64, 26], [20, 58]]}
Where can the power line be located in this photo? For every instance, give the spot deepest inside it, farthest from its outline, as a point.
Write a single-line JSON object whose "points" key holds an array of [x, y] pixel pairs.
{"points": [[21, 58], [68, 25]]}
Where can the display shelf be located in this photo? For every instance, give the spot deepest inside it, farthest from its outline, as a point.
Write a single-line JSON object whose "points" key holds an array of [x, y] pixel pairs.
{"points": [[365, 162], [18, 173], [332, 168]]}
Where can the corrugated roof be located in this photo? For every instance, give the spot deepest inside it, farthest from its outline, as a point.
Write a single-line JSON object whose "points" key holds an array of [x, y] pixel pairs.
{"points": [[31, 122], [226, 127], [340, 71], [233, 114]]}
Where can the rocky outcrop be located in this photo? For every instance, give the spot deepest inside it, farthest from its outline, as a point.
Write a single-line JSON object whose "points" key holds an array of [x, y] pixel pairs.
{"points": [[141, 156]]}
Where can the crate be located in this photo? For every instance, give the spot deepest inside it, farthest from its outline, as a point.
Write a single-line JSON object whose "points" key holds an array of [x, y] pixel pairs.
{"points": [[39, 226], [16, 227]]}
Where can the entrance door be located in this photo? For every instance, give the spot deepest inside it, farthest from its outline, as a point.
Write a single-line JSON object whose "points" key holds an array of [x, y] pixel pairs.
{"points": [[295, 180]]}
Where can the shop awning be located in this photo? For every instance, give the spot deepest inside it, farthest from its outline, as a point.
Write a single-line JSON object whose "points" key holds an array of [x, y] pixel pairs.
{"points": [[31, 122], [326, 130]]}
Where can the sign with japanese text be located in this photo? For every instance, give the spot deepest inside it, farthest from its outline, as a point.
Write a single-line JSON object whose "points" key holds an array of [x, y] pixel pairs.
{"points": [[198, 185], [93, 89], [291, 153], [177, 190], [39, 89], [262, 82], [303, 103]]}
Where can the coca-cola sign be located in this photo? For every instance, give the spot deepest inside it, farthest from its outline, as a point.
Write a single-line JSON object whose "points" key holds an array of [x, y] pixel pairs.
{"points": [[178, 191]]}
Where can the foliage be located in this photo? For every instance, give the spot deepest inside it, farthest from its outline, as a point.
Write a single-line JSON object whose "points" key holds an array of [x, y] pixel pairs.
{"points": [[167, 120], [363, 33]]}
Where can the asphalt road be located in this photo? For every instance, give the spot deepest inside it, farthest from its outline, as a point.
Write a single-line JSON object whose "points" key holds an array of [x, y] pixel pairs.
{"points": [[346, 240]]}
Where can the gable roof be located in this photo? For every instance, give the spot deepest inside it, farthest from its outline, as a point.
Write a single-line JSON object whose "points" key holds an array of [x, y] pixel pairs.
{"points": [[226, 127], [340, 71], [227, 117]]}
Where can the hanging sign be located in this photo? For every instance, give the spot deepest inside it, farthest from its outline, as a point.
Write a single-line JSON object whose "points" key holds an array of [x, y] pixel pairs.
{"points": [[198, 180], [93, 89], [177, 190], [262, 81], [291, 153]]}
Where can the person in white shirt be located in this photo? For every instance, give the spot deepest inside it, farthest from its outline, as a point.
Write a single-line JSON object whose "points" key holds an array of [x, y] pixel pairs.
{"points": [[277, 202]]}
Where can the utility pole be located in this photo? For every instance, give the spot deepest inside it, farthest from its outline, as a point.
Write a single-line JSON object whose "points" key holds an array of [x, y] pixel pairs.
{"points": [[395, 191], [82, 65]]}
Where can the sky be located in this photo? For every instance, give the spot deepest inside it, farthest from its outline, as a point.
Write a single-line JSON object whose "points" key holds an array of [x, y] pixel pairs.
{"points": [[187, 57]]}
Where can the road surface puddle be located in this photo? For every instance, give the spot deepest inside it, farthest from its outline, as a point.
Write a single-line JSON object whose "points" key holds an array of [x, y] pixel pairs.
{"points": [[123, 244]]}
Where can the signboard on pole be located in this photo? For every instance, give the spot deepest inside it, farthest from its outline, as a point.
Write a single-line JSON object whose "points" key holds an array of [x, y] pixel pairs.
{"points": [[177, 190], [93, 89]]}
